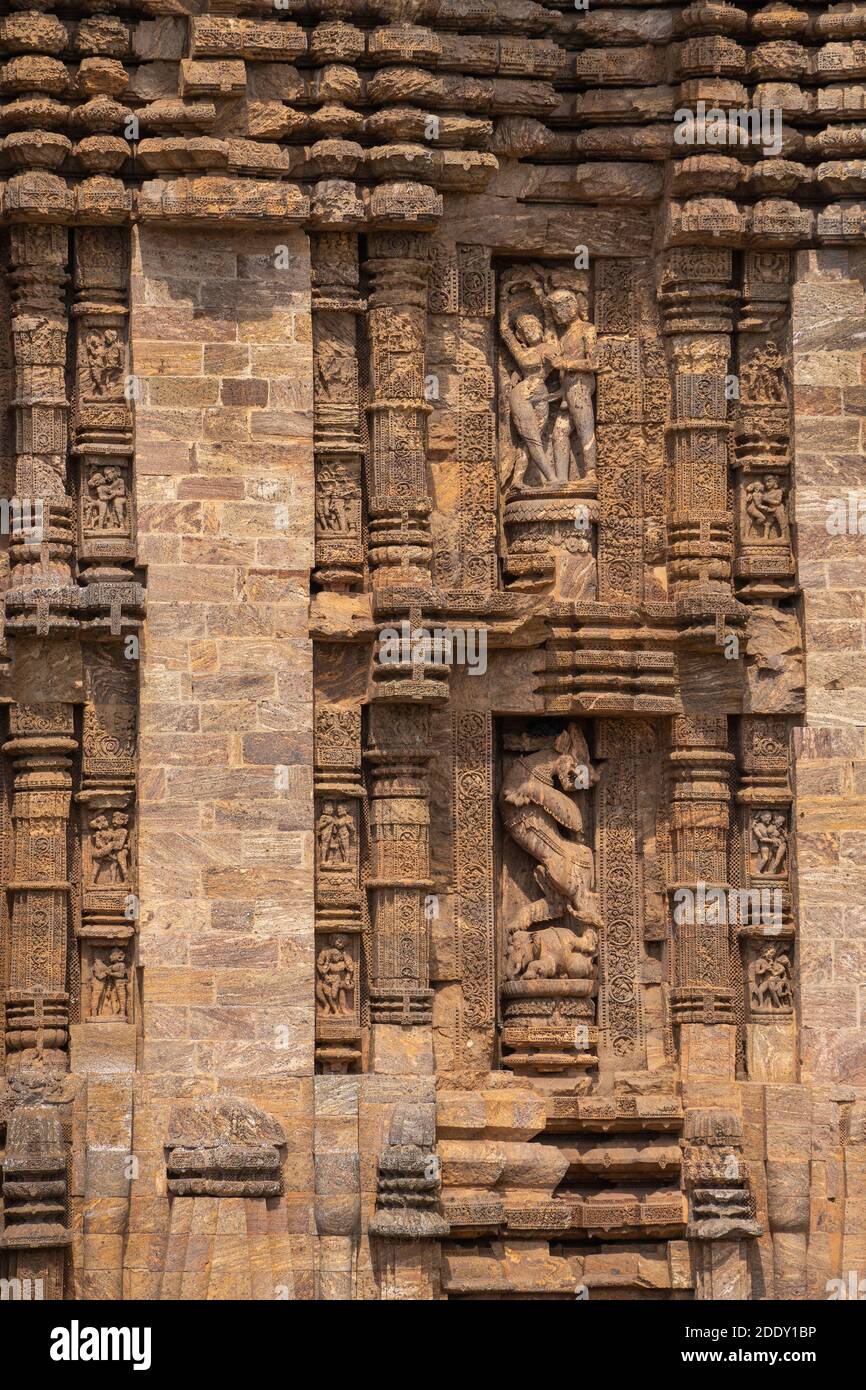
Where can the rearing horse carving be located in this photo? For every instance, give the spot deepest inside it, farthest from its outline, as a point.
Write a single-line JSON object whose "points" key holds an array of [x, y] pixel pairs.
{"points": [[547, 822]]}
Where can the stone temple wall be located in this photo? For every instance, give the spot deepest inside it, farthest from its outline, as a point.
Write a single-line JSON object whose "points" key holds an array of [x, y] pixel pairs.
{"points": [[432, 652]]}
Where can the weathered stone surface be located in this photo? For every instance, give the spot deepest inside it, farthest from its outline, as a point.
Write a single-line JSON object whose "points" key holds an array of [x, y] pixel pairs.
{"points": [[431, 461]]}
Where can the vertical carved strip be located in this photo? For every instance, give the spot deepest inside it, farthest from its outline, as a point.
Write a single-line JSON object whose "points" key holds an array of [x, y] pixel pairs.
{"points": [[476, 441], [102, 429], [765, 561], [37, 1001], [400, 546], [698, 298], [473, 879], [766, 927], [700, 766], [398, 754], [339, 805], [621, 890], [107, 802], [336, 304], [42, 596], [620, 437]]}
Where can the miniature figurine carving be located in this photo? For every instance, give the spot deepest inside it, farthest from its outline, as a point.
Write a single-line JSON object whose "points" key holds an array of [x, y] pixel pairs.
{"points": [[105, 360], [763, 376], [765, 507], [545, 327], [771, 979], [577, 367], [106, 507], [770, 842], [109, 985], [334, 489], [335, 834], [335, 970], [110, 847]]}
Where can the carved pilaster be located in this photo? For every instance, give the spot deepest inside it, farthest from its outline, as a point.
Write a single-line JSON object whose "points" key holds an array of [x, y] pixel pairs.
{"points": [[632, 405], [336, 304], [102, 423], [339, 796], [721, 1205], [699, 827], [37, 998], [34, 1233], [765, 561], [408, 1184], [107, 817], [766, 926], [42, 596], [398, 755], [697, 297], [399, 505]]}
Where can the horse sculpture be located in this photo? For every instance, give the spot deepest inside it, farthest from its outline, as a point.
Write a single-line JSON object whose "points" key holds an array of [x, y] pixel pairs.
{"points": [[546, 821]]}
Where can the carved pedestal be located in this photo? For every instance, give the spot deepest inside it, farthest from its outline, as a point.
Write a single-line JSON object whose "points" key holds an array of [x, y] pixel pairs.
{"points": [[549, 1026], [552, 541], [34, 1235]]}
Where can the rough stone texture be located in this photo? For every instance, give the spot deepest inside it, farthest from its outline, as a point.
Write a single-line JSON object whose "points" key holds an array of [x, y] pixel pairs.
{"points": [[221, 340], [828, 314], [527, 959]]}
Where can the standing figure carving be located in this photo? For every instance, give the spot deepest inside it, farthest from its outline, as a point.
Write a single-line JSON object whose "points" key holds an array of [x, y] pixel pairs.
{"points": [[550, 382]]}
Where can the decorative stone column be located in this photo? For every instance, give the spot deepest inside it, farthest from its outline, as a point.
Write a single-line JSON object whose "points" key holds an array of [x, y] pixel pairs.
{"points": [[721, 1206], [42, 596], [398, 754], [407, 1193], [102, 421], [37, 995], [700, 793], [34, 1233], [336, 303], [698, 299], [399, 507], [398, 750]]}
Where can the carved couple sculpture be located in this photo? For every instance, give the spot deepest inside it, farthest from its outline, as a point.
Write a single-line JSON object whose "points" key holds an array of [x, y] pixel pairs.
{"points": [[771, 980], [555, 937], [545, 327]]}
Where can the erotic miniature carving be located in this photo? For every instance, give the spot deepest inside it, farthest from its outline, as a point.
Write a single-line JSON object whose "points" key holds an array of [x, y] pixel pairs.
{"points": [[771, 980]]}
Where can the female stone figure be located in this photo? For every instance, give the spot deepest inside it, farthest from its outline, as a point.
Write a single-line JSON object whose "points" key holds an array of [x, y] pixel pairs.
{"points": [[578, 363], [535, 349]]}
